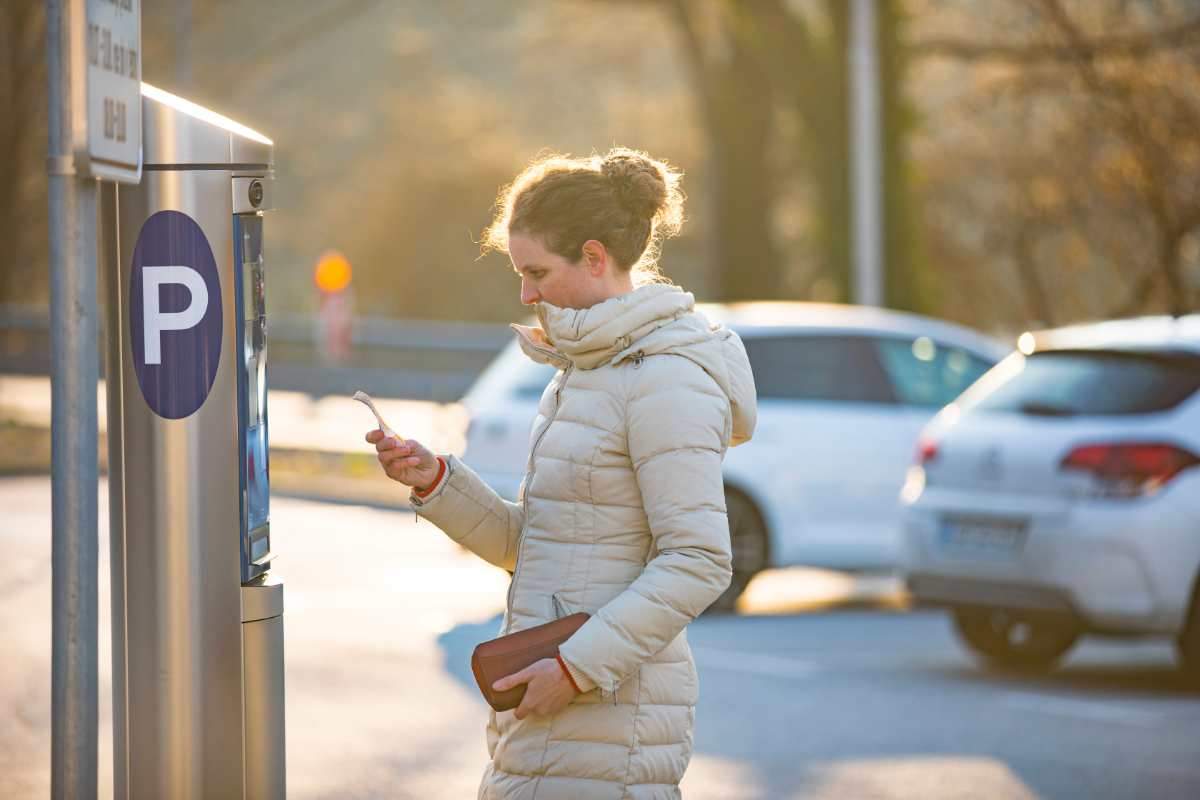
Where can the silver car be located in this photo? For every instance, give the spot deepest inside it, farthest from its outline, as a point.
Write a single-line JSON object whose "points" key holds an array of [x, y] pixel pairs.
{"points": [[1060, 495], [843, 392]]}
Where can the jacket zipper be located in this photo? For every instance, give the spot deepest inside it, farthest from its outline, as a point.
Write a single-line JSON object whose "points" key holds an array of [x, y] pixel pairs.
{"points": [[512, 585]]}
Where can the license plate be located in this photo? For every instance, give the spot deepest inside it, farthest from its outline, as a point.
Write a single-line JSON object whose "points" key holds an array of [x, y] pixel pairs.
{"points": [[983, 537]]}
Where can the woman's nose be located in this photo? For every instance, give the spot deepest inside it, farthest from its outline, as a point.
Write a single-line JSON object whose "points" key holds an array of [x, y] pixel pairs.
{"points": [[529, 295]]}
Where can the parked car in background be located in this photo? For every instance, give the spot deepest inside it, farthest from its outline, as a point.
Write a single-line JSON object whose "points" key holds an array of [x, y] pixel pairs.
{"points": [[843, 392], [1060, 495]]}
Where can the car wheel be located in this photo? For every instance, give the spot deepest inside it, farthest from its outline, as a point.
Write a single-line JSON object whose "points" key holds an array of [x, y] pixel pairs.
{"points": [[748, 541], [1011, 641]]}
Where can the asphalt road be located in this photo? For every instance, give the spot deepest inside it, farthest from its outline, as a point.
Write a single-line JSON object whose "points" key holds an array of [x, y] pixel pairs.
{"points": [[847, 702]]}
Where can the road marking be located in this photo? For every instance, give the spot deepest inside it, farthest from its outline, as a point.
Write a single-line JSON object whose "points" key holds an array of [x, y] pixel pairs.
{"points": [[755, 663], [1121, 712]]}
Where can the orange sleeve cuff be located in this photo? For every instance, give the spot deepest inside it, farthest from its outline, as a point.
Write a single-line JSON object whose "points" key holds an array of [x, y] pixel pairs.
{"points": [[436, 481], [567, 672]]}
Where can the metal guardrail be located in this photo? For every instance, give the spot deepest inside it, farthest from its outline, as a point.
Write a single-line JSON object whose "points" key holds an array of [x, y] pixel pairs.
{"points": [[15, 317], [404, 358], [410, 334]]}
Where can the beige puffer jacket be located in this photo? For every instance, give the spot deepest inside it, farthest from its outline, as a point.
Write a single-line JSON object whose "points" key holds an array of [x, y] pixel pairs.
{"points": [[622, 515]]}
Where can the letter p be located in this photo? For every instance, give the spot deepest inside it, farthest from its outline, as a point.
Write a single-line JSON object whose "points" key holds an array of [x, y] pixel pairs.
{"points": [[154, 322]]}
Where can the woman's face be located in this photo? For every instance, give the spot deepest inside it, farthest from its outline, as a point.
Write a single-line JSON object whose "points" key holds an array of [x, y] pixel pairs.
{"points": [[548, 277]]}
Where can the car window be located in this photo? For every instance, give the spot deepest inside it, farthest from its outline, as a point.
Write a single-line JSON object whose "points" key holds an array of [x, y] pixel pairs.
{"points": [[532, 380], [1060, 383], [814, 367], [927, 373], [509, 375]]}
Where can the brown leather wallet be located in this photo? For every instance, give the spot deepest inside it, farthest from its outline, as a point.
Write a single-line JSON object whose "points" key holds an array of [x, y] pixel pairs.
{"points": [[493, 660]]}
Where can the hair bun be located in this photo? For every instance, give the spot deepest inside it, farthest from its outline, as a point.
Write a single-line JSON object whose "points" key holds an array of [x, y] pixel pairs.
{"points": [[625, 199], [639, 182]]}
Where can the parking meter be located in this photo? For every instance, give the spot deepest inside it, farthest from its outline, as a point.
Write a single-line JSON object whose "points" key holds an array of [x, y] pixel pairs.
{"points": [[198, 696]]}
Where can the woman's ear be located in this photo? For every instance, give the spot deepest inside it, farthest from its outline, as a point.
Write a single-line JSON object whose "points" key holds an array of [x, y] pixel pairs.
{"points": [[595, 257]]}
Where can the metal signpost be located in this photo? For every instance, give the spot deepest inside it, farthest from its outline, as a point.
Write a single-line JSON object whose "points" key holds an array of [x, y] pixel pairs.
{"points": [[198, 698], [93, 69]]}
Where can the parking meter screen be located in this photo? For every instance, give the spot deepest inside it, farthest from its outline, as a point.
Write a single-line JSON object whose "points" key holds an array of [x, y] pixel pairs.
{"points": [[252, 385]]}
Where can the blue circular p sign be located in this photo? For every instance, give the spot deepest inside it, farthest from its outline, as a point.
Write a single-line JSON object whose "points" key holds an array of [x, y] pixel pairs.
{"points": [[174, 314]]}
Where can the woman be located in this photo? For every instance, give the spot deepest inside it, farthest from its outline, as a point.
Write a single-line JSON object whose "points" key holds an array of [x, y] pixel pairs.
{"points": [[622, 509]]}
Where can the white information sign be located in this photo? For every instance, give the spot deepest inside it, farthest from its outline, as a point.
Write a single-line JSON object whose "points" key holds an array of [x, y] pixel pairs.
{"points": [[114, 84]]}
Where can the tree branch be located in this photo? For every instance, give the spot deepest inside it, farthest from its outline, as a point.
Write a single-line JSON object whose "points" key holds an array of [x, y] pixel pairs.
{"points": [[1034, 292], [1136, 301], [693, 49], [1133, 45]]}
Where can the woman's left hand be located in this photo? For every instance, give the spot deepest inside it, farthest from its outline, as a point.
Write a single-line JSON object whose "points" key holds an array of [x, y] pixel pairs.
{"points": [[547, 692]]}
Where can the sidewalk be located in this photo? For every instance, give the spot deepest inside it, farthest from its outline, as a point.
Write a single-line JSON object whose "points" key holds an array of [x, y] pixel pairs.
{"points": [[381, 613], [318, 453], [370, 595]]}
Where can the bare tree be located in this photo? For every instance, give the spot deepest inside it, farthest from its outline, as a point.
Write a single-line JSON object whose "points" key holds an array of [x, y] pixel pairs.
{"points": [[731, 81], [23, 277], [1067, 165], [805, 49]]}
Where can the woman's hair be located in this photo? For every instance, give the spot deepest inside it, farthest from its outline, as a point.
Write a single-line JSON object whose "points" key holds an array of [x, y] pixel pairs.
{"points": [[627, 200]]}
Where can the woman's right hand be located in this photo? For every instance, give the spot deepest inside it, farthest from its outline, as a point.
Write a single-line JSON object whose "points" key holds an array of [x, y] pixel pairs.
{"points": [[406, 461]]}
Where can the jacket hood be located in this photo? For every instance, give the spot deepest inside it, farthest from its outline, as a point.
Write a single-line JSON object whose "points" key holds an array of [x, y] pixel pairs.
{"points": [[653, 319]]}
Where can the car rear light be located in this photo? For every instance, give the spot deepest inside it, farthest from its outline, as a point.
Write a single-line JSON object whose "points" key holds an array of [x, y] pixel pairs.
{"points": [[1130, 469], [916, 479], [927, 450]]}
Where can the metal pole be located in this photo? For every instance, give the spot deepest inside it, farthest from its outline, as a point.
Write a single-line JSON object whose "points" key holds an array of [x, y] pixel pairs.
{"points": [[867, 180], [74, 362]]}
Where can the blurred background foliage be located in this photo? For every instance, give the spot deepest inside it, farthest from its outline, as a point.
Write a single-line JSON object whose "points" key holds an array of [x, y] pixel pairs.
{"points": [[1042, 157]]}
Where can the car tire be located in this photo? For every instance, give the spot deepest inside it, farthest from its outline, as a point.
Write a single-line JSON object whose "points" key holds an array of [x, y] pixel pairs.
{"points": [[1009, 641], [1188, 643], [748, 542]]}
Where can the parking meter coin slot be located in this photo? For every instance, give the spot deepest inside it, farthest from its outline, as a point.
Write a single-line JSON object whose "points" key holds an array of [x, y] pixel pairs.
{"points": [[260, 544]]}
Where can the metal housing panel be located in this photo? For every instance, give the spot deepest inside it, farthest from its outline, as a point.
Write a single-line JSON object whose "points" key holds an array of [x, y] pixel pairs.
{"points": [[181, 537], [243, 150], [266, 774], [176, 131], [262, 599], [180, 685], [173, 137]]}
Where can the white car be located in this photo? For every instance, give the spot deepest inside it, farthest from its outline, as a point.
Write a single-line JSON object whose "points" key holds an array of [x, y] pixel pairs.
{"points": [[1060, 495], [843, 392]]}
